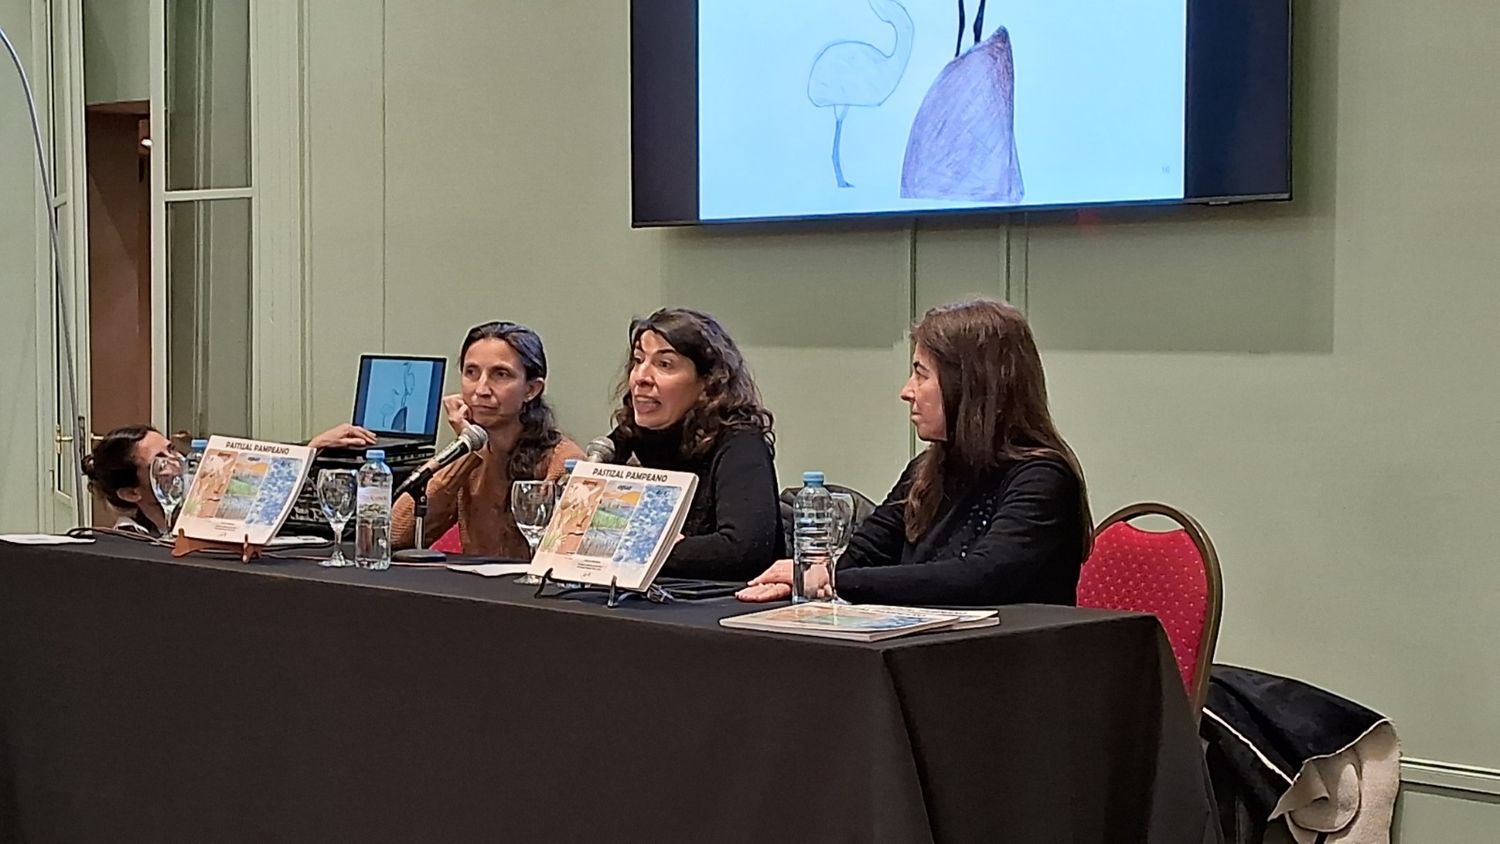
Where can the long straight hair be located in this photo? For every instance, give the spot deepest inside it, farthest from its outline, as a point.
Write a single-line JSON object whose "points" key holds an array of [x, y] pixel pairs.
{"points": [[539, 431], [995, 402]]}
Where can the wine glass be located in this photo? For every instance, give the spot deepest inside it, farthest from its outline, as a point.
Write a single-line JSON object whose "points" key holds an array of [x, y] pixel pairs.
{"points": [[532, 503], [337, 495], [841, 525], [167, 484], [840, 528]]}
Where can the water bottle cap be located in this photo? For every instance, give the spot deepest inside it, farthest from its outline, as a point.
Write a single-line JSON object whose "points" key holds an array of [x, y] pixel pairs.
{"points": [[570, 464], [200, 444], [375, 454], [812, 478]]}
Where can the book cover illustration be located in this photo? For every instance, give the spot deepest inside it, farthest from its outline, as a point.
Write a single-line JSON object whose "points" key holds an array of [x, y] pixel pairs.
{"points": [[845, 617], [614, 521], [863, 623], [243, 488]]}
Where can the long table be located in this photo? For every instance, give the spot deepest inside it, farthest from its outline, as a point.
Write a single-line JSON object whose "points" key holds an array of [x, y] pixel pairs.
{"points": [[150, 699]]}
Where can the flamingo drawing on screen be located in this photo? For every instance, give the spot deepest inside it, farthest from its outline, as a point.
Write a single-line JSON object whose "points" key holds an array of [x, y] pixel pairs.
{"points": [[853, 73], [978, 27], [397, 408]]}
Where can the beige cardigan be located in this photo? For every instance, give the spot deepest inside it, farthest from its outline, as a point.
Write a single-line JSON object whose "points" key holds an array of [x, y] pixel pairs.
{"points": [[475, 493]]}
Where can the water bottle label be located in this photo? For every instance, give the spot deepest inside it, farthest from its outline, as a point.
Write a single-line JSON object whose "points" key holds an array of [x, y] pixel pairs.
{"points": [[374, 498]]}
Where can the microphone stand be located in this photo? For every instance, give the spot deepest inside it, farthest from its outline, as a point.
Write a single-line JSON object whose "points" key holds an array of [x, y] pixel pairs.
{"points": [[418, 554]]}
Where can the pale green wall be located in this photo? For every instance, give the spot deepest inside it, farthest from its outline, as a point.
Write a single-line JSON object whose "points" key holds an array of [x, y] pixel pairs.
{"points": [[1424, 816], [1316, 382], [117, 50], [20, 222]]}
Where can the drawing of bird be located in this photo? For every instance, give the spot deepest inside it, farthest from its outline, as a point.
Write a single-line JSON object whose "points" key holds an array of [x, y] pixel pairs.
{"points": [[856, 74]]}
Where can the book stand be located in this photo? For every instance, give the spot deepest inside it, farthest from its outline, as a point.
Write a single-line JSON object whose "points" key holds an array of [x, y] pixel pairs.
{"points": [[617, 593], [185, 545]]}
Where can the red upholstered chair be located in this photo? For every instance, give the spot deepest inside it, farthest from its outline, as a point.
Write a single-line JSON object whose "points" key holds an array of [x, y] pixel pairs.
{"points": [[1172, 574], [450, 542]]}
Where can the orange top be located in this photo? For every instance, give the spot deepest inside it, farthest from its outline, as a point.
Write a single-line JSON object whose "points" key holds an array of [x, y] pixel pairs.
{"points": [[475, 492]]}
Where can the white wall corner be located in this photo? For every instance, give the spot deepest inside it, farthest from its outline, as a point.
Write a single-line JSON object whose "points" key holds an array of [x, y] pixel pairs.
{"points": [[277, 367]]}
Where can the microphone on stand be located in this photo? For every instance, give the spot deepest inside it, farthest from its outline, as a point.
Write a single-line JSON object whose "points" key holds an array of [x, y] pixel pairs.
{"points": [[600, 450], [471, 440]]}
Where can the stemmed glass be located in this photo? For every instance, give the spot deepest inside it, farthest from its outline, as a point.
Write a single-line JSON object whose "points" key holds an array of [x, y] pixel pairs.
{"points": [[167, 485], [840, 528], [532, 503], [338, 492]]}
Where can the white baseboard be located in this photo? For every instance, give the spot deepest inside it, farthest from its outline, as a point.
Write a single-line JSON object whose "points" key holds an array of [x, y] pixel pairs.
{"points": [[1447, 776]]}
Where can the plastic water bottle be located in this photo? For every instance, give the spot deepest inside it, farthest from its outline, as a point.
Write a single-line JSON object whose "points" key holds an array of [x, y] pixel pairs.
{"points": [[372, 526], [190, 464], [812, 511]]}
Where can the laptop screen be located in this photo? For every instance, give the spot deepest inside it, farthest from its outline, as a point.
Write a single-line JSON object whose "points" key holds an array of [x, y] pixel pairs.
{"points": [[399, 396]]}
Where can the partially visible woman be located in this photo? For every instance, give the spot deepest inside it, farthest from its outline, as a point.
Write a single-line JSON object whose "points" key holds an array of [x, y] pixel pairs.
{"points": [[504, 370], [119, 470], [688, 403], [995, 510]]}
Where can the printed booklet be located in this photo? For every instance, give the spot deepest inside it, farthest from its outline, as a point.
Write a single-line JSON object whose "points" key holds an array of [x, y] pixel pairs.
{"points": [[243, 491], [615, 522]]}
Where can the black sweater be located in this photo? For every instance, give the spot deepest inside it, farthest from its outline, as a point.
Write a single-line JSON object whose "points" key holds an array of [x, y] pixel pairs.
{"points": [[733, 528], [1014, 537]]}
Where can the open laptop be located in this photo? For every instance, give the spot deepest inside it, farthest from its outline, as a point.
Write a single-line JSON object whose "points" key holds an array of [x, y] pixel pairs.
{"points": [[399, 399]]}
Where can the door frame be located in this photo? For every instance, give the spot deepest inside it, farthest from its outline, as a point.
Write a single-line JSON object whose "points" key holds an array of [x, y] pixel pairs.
{"points": [[62, 503], [277, 195]]}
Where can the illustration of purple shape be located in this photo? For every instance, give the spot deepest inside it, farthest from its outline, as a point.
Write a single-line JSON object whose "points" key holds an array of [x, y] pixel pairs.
{"points": [[963, 141]]}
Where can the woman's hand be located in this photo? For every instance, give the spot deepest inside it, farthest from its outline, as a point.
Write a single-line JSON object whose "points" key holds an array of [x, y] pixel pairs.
{"points": [[343, 436], [457, 413], [776, 583]]}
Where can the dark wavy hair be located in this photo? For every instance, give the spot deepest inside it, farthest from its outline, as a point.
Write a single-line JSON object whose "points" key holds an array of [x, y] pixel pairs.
{"points": [[539, 431], [730, 399], [995, 401], [111, 466]]}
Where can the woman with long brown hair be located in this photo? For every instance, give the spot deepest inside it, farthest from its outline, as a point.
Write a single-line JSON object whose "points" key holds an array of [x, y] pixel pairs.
{"points": [[688, 403], [995, 509]]}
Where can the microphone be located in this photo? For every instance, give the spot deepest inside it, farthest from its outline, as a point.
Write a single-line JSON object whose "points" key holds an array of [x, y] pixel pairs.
{"points": [[472, 439], [600, 450]]}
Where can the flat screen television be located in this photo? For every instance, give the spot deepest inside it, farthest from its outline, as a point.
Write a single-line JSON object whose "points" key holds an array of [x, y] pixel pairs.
{"points": [[746, 110]]}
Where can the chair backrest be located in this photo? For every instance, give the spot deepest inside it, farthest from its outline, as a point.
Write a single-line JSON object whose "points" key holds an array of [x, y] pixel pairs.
{"points": [[863, 507], [451, 542], [1172, 574]]}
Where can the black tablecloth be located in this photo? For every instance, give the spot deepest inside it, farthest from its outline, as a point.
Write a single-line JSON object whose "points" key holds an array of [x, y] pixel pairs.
{"points": [[143, 699]]}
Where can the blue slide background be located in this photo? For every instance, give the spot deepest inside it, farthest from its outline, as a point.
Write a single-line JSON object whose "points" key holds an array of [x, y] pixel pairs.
{"points": [[383, 396], [1099, 103]]}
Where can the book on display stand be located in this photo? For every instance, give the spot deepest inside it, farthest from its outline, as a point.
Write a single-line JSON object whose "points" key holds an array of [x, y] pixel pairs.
{"points": [[241, 495], [613, 528]]}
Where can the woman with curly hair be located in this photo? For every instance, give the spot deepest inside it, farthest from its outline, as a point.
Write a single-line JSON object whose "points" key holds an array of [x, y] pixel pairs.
{"points": [[688, 403], [504, 372]]}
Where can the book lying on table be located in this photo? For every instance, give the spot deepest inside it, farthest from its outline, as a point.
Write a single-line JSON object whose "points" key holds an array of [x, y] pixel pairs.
{"points": [[859, 622], [243, 491], [614, 522]]}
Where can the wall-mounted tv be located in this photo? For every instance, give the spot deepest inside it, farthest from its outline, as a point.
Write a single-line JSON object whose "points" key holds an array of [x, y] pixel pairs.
{"points": [[746, 110]]}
